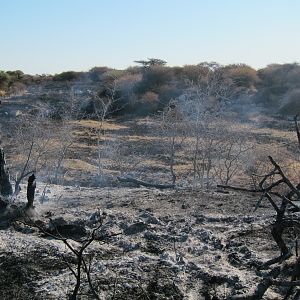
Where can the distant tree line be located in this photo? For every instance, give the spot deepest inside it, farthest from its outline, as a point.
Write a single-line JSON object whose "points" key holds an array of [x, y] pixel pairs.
{"points": [[149, 87]]}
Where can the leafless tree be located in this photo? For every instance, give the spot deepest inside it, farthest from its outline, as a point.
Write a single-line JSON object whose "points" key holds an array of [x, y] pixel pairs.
{"points": [[201, 106], [173, 134], [233, 155], [103, 106], [31, 143]]}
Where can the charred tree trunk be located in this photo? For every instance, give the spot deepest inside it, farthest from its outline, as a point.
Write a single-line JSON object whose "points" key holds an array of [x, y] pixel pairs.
{"points": [[5, 186], [30, 191], [276, 232]]}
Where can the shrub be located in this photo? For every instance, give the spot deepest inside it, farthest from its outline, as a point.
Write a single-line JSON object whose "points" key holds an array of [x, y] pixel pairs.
{"points": [[242, 75], [291, 103], [67, 76], [154, 77], [4, 80], [96, 73], [195, 73]]}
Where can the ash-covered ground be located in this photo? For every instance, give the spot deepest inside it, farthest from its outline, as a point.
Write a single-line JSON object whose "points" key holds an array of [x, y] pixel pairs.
{"points": [[172, 244]]}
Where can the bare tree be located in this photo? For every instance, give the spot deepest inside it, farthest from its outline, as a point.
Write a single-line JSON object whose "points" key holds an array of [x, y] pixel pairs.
{"points": [[173, 133], [201, 106], [104, 104], [31, 143], [233, 155]]}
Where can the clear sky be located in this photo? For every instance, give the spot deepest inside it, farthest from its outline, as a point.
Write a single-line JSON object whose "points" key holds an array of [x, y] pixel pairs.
{"points": [[50, 36]]}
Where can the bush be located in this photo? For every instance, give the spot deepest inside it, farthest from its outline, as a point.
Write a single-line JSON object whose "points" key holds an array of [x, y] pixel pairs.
{"points": [[67, 76], [96, 73], [278, 86], [291, 103], [154, 77], [4, 80], [195, 73], [146, 105], [242, 75]]}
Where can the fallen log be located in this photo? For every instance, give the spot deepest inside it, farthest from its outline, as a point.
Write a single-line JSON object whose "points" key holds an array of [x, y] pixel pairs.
{"points": [[145, 184]]}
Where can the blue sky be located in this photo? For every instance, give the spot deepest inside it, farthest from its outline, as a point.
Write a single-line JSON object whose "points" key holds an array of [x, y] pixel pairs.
{"points": [[50, 36]]}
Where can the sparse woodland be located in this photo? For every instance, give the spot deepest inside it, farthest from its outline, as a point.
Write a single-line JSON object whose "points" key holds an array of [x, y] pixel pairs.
{"points": [[153, 182]]}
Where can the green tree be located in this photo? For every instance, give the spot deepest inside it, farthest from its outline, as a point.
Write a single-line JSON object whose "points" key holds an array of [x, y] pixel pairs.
{"points": [[150, 62]]}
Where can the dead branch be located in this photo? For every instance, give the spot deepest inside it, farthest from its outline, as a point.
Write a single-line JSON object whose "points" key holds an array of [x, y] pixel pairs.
{"points": [[281, 223], [146, 184], [24, 173], [284, 178], [275, 260], [81, 264]]}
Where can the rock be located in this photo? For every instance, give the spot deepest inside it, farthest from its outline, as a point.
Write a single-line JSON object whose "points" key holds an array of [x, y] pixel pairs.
{"points": [[185, 206], [142, 258], [217, 257], [200, 219], [203, 235], [135, 228], [180, 259], [151, 236], [109, 205], [238, 286], [150, 219], [154, 248], [248, 219], [234, 259], [217, 244], [95, 217], [181, 238], [167, 259], [128, 246], [244, 249]]}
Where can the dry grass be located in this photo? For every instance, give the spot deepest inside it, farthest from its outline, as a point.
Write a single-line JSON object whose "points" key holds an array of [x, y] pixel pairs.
{"points": [[93, 124], [135, 147], [79, 165]]}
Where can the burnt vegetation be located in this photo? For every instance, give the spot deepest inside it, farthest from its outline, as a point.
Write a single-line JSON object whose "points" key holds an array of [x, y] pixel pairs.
{"points": [[182, 181]]}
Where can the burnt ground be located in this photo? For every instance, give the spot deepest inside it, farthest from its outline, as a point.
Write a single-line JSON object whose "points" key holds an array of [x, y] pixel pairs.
{"points": [[173, 244]]}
